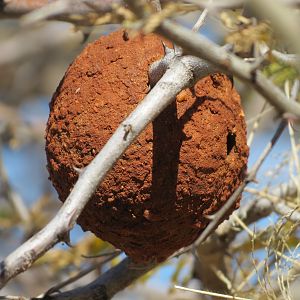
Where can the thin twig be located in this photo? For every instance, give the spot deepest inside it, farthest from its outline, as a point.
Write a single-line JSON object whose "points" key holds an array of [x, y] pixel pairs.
{"points": [[210, 293], [201, 20], [103, 254], [289, 59], [256, 125], [266, 111]]}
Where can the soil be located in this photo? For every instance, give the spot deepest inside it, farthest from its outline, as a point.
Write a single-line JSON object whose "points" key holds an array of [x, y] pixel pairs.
{"points": [[182, 168]]}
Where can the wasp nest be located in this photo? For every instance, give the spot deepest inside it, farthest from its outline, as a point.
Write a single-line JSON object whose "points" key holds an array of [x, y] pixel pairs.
{"points": [[181, 169]]}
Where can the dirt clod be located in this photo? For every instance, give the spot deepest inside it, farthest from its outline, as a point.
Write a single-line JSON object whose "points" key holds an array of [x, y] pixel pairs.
{"points": [[183, 167]]}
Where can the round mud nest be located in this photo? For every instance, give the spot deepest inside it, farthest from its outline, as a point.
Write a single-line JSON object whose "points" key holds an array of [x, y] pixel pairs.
{"points": [[182, 168]]}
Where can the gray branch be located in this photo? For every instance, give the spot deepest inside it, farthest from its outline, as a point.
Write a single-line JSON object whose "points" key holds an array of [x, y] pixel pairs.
{"points": [[183, 72], [200, 46]]}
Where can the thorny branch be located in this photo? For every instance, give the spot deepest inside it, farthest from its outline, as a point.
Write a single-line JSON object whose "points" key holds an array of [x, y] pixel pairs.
{"points": [[183, 72], [126, 272]]}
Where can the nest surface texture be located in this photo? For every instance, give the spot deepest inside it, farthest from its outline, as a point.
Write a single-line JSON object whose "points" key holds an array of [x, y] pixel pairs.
{"points": [[183, 167]]}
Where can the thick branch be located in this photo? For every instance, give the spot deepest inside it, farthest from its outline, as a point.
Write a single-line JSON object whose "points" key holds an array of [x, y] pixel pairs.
{"points": [[200, 46], [182, 73]]}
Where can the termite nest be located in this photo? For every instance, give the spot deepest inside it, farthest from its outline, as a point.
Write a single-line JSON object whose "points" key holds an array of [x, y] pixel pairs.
{"points": [[181, 169]]}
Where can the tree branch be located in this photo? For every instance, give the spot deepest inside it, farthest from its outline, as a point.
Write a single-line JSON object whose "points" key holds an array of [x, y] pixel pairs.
{"points": [[183, 72], [200, 46]]}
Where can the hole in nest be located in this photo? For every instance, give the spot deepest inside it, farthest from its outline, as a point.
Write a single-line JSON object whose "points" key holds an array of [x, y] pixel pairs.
{"points": [[125, 36], [230, 142]]}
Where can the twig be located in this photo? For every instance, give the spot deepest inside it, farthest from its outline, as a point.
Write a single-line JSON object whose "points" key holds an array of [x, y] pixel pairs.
{"points": [[210, 293], [291, 214], [182, 73], [200, 20], [266, 111], [102, 254], [295, 159], [218, 5], [289, 59], [200, 46], [256, 125]]}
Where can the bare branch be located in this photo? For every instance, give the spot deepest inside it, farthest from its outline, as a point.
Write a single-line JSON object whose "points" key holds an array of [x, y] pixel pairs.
{"points": [[183, 72], [289, 59], [201, 19], [210, 293], [200, 46]]}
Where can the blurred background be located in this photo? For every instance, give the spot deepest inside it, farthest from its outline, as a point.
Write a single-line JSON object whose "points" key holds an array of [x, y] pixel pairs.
{"points": [[32, 62]]}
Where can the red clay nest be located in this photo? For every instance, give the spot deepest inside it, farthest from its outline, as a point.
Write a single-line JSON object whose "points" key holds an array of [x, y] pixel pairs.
{"points": [[183, 167]]}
